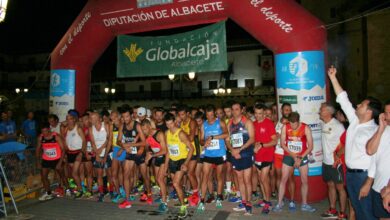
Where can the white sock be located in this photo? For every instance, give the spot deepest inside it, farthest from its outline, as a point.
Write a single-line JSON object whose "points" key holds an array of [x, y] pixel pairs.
{"points": [[238, 194], [229, 186]]}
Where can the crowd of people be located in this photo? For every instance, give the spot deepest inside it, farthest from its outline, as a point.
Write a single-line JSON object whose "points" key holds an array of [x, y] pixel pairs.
{"points": [[230, 153]]}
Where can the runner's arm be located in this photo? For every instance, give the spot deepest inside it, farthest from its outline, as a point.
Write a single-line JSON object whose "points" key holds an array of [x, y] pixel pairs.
{"points": [[309, 141], [373, 143], [184, 138], [84, 142]]}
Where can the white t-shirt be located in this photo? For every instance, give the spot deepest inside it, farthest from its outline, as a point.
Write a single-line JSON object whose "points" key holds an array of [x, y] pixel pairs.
{"points": [[331, 133], [278, 149], [380, 163], [358, 135]]}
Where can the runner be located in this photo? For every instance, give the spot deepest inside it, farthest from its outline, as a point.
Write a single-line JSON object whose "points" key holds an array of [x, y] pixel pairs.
{"points": [[265, 141], [87, 157], [118, 156], [242, 138], [212, 136], [51, 149], [132, 140], [75, 145], [180, 151], [155, 142], [188, 125], [159, 120], [99, 134], [297, 142]]}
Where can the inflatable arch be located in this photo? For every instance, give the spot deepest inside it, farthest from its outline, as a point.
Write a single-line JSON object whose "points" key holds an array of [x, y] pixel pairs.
{"points": [[296, 37]]}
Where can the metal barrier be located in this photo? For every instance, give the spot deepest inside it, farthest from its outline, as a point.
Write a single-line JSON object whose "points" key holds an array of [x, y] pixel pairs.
{"points": [[20, 179]]}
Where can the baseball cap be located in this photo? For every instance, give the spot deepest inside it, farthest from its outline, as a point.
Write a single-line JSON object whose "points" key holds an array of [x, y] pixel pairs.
{"points": [[141, 111]]}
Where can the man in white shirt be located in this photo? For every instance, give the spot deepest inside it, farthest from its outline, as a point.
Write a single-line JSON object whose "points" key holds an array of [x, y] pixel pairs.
{"points": [[362, 127], [333, 176], [379, 171]]}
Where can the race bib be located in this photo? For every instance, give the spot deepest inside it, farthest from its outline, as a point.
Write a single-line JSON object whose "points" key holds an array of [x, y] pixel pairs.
{"points": [[214, 145], [89, 147], [155, 149], [134, 150], [51, 153], [295, 146], [237, 140], [174, 150]]}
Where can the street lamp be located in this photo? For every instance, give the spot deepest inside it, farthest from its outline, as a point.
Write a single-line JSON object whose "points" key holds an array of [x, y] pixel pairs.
{"points": [[17, 90], [191, 75], [222, 91], [110, 92], [171, 76]]}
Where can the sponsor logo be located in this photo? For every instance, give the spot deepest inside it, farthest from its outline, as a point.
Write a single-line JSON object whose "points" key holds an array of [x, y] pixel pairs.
{"points": [[315, 127], [298, 66], [313, 98], [62, 103], [149, 3], [292, 99], [55, 80], [133, 52]]}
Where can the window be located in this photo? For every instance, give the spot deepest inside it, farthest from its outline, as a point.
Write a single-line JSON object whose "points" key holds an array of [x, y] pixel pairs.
{"points": [[250, 83], [231, 83], [141, 88], [213, 84]]}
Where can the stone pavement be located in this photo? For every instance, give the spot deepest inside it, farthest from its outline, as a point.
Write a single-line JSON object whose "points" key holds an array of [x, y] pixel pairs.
{"points": [[67, 209]]}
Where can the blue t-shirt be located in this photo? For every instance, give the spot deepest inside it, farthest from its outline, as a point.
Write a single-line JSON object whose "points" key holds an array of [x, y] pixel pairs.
{"points": [[8, 127], [28, 127]]}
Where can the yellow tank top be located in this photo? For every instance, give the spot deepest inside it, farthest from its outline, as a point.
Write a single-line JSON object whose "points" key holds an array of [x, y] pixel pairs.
{"points": [[186, 128], [115, 132], [177, 149]]}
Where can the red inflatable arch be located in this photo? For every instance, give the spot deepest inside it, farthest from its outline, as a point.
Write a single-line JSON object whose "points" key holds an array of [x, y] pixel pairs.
{"points": [[281, 25]]}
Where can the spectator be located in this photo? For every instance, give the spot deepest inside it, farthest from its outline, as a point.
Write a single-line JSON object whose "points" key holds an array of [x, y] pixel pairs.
{"points": [[29, 129]]}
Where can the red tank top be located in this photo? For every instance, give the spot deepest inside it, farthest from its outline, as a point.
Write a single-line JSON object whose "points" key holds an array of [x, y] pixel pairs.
{"points": [[51, 149], [296, 139], [153, 143], [86, 133]]}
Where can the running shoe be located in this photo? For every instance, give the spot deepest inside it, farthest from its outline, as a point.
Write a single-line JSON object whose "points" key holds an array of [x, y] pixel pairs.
{"points": [[46, 196], [248, 210], [149, 200], [266, 208], [194, 200], [173, 195], [182, 212], [239, 208], [210, 199], [132, 198], [78, 194], [330, 214], [200, 208], [234, 199], [278, 208], [291, 206], [163, 207], [218, 204], [307, 208], [101, 197], [59, 192], [143, 197], [342, 216], [117, 198], [158, 200], [87, 195], [122, 191], [125, 204], [260, 204], [273, 194], [68, 192]]}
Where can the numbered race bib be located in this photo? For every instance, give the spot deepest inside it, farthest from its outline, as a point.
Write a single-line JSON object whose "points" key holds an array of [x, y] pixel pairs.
{"points": [[89, 147], [214, 145], [174, 150], [134, 150], [237, 140], [295, 146], [51, 153]]}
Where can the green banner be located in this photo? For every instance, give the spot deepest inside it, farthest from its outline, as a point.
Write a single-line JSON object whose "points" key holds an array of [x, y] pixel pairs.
{"points": [[202, 50]]}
